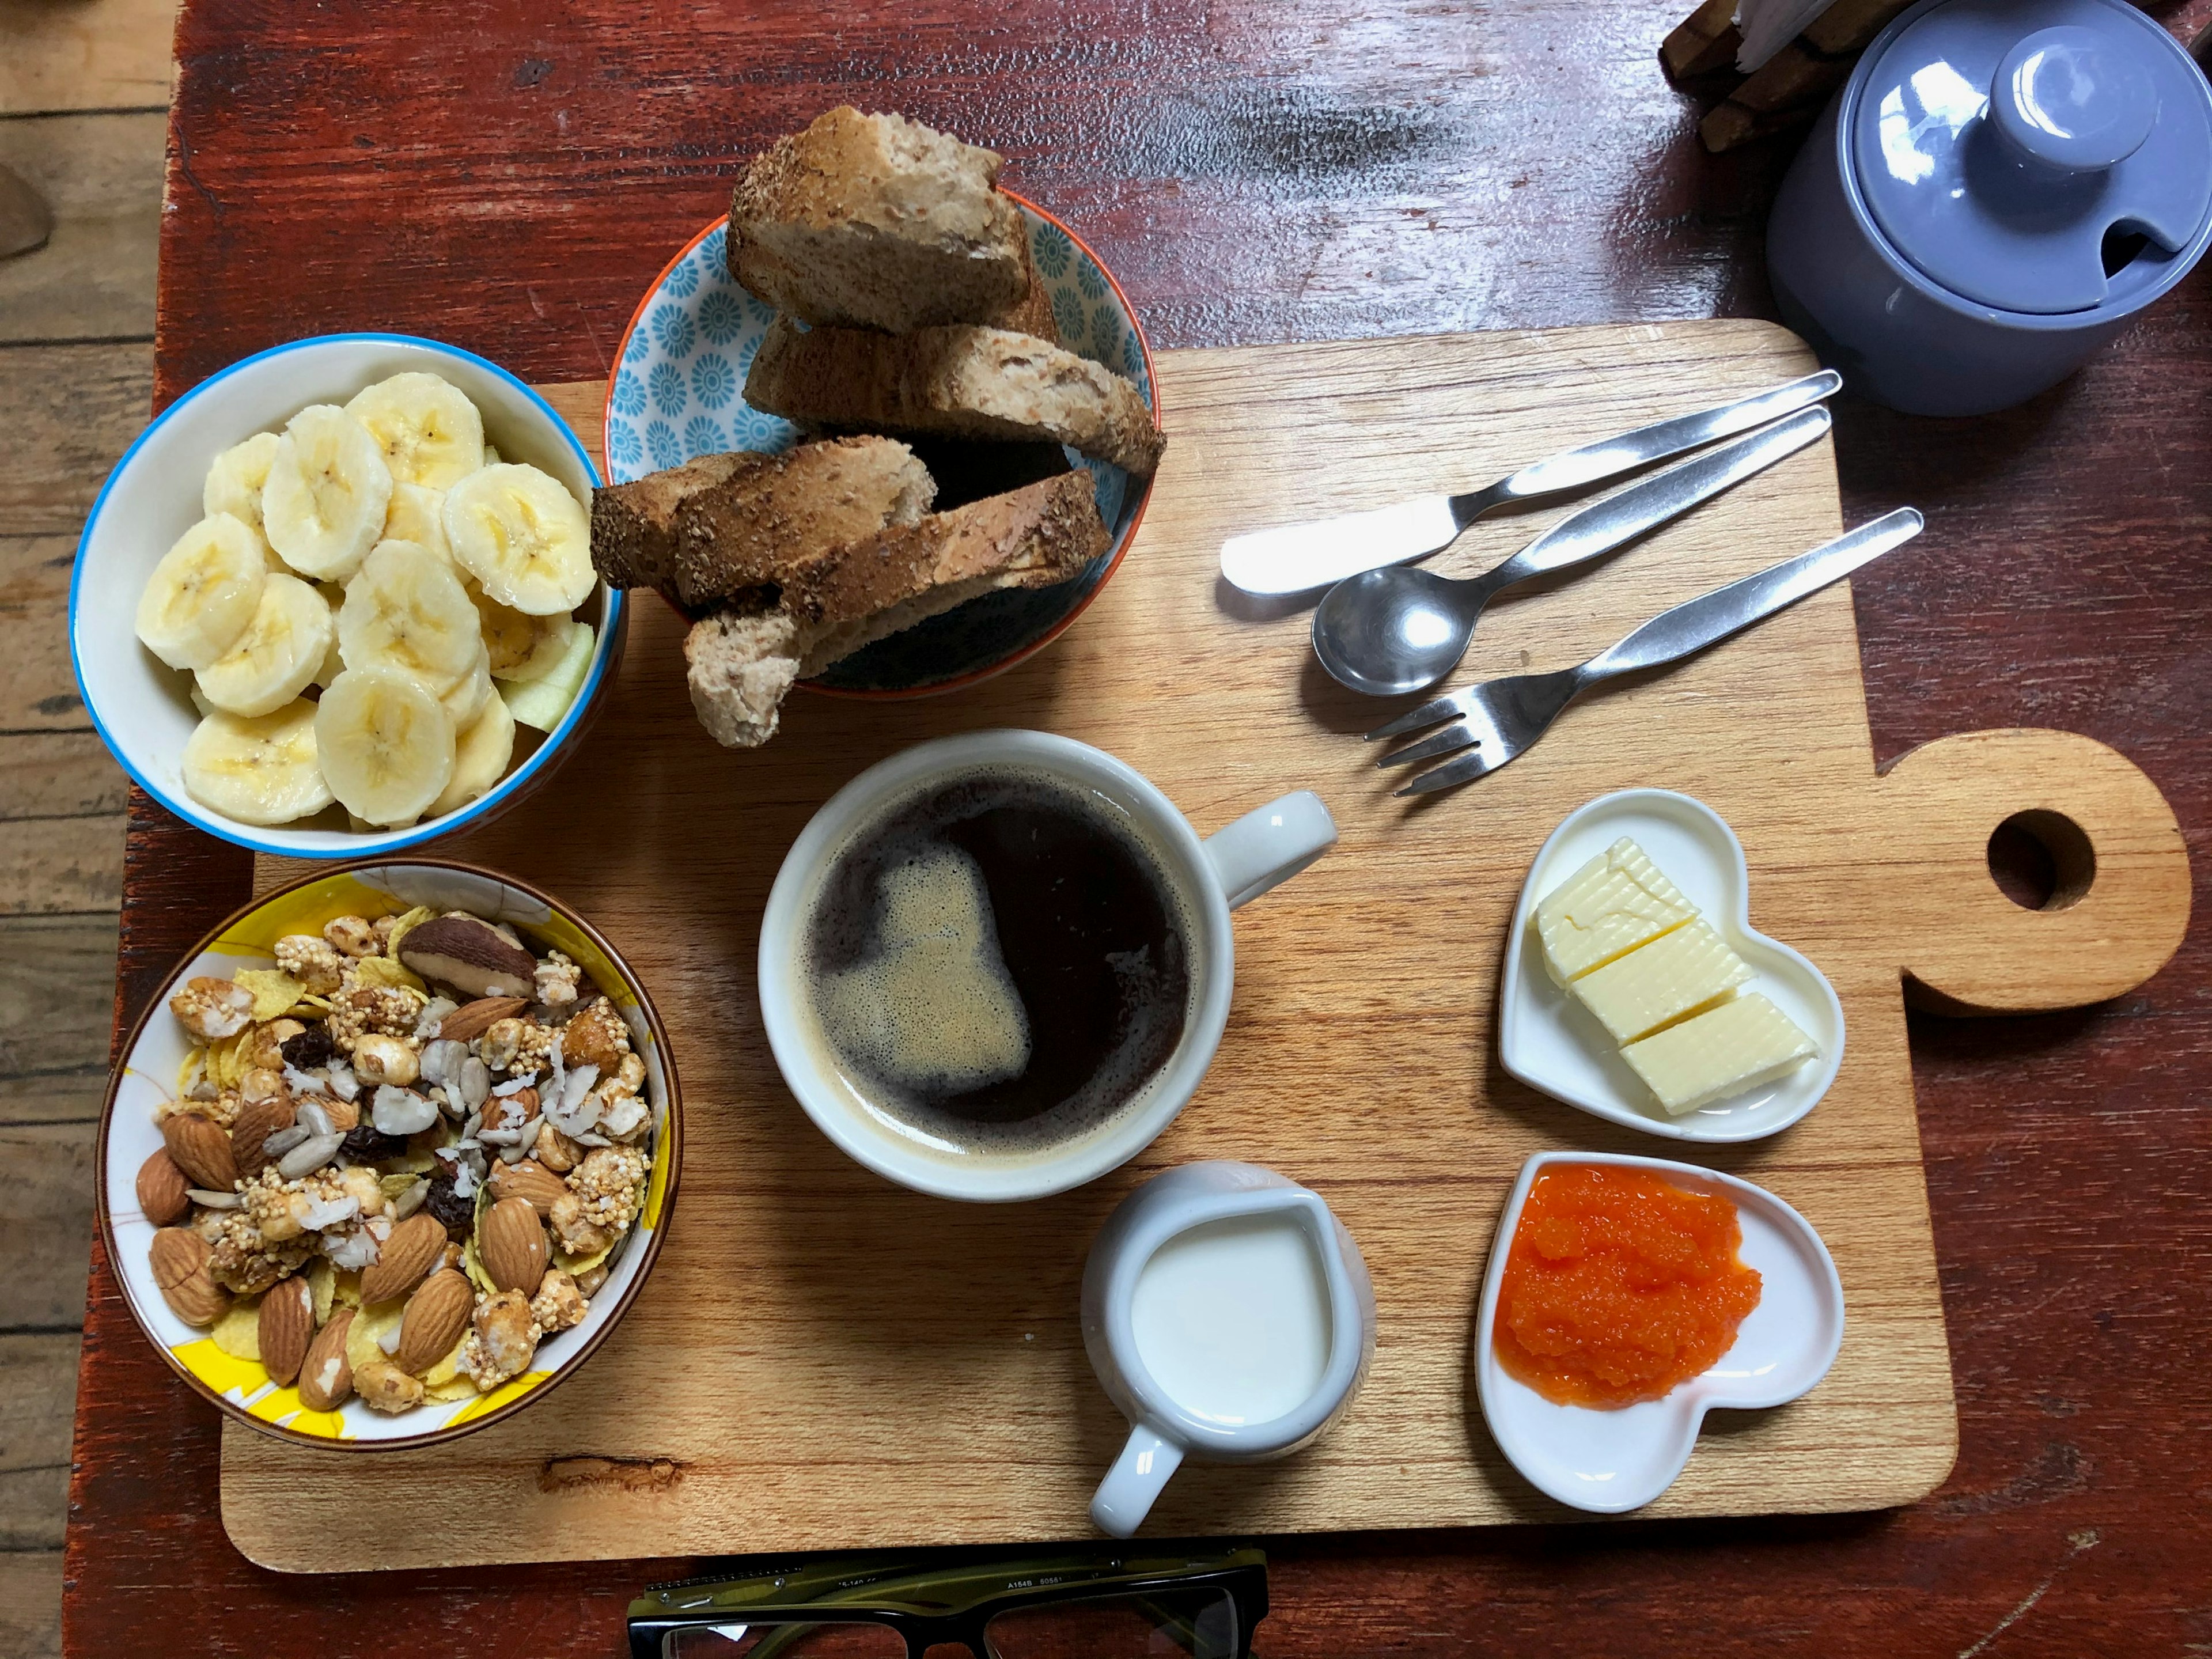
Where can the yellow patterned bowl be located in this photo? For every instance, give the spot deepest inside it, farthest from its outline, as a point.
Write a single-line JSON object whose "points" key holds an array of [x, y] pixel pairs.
{"points": [[154, 1058]]}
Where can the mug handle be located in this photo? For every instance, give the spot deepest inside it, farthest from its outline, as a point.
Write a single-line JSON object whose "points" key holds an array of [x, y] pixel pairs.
{"points": [[1125, 1496], [1269, 845]]}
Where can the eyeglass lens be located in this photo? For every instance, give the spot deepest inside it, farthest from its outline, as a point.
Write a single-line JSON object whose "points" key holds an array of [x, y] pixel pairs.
{"points": [[1190, 1623]]}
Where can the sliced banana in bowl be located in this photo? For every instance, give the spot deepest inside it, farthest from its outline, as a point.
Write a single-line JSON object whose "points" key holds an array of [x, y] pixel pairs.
{"points": [[526, 541], [386, 745], [279, 655], [405, 609], [352, 609], [323, 503], [431, 434]]}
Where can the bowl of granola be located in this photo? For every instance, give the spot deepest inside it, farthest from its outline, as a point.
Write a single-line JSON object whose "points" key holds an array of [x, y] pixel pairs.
{"points": [[392, 1153]]}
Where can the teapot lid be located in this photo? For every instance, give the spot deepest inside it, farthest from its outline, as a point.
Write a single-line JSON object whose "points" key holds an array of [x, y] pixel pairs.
{"points": [[2030, 154]]}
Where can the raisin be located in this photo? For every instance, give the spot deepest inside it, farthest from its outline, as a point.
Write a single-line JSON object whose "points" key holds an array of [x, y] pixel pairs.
{"points": [[366, 1143], [311, 1048], [455, 1213]]}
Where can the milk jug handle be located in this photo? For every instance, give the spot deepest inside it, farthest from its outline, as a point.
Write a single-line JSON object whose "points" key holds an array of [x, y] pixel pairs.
{"points": [[1126, 1495], [1268, 846]]}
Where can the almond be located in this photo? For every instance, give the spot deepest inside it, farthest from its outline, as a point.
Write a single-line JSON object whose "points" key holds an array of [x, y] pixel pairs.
{"points": [[179, 1260], [256, 1122], [345, 1114], [436, 1315], [161, 1190], [326, 1374], [511, 1239], [474, 1020], [202, 1151], [406, 1260], [528, 1179], [288, 1326]]}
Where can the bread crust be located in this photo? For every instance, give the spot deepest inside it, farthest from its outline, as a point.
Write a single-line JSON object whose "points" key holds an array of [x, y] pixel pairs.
{"points": [[717, 527], [875, 221], [961, 380], [740, 662]]}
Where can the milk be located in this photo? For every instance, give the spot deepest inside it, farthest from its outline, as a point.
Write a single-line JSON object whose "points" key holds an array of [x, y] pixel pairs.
{"points": [[1232, 1320]]}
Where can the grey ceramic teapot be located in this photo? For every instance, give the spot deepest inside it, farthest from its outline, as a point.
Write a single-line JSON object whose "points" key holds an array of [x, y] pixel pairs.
{"points": [[1998, 188]]}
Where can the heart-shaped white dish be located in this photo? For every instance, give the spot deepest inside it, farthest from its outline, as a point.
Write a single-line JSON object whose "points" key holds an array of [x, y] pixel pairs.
{"points": [[1611, 1462], [1550, 1041]]}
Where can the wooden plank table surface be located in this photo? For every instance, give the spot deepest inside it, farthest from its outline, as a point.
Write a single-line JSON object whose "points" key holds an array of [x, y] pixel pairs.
{"points": [[510, 181]]}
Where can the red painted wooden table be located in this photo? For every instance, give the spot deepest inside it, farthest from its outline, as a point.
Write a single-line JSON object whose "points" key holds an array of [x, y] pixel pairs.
{"points": [[509, 174]]}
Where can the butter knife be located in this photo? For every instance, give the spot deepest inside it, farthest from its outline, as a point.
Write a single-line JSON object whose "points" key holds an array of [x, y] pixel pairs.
{"points": [[1296, 557]]}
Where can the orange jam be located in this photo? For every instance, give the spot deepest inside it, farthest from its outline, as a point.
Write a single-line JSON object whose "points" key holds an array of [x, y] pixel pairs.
{"points": [[1619, 1286]]}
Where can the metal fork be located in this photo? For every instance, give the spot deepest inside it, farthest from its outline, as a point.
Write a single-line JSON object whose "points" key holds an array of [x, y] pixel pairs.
{"points": [[1503, 717]]}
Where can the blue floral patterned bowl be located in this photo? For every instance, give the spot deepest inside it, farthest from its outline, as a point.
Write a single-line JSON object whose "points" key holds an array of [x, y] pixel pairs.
{"points": [[677, 393]]}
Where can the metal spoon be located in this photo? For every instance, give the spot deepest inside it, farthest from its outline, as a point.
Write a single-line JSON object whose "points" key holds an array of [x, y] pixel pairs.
{"points": [[1390, 631]]}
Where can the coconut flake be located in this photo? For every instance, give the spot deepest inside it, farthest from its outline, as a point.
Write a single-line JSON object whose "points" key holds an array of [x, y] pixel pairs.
{"points": [[516, 1086], [329, 1213], [465, 1180], [305, 1083], [344, 1083], [390, 1340], [401, 1111], [352, 1248]]}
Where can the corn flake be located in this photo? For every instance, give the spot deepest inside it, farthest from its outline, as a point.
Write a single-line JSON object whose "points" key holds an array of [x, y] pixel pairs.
{"points": [[275, 993], [238, 1332], [322, 1284], [378, 971], [574, 1265], [364, 1336], [405, 923]]}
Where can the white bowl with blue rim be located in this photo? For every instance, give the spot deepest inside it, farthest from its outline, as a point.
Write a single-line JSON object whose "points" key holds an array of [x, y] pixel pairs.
{"points": [[677, 393], [142, 708]]}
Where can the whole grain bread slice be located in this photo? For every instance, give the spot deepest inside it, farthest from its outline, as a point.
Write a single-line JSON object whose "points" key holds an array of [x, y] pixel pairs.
{"points": [[741, 662], [961, 380], [721, 525], [877, 221]]}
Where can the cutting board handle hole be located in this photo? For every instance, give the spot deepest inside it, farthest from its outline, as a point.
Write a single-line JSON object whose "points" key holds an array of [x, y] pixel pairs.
{"points": [[2042, 860]]}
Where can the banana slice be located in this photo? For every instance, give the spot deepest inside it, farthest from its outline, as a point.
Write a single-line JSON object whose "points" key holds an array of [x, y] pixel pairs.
{"points": [[480, 757], [523, 537], [263, 769], [326, 494], [466, 700], [521, 648], [386, 746], [233, 483], [431, 434], [334, 659], [203, 594], [417, 514], [491, 456], [405, 609], [277, 656], [542, 701]]}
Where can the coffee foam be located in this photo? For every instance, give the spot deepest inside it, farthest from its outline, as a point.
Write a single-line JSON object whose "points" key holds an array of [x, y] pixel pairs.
{"points": [[932, 1009], [918, 990]]}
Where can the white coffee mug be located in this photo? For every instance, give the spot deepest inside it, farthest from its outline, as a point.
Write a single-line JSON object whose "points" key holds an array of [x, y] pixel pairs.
{"points": [[1199, 1316], [1211, 877]]}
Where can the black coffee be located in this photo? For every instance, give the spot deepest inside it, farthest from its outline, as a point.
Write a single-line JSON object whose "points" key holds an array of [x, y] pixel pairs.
{"points": [[998, 962]]}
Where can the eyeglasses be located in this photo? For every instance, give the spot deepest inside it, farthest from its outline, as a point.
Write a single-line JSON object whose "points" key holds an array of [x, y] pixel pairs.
{"points": [[886, 1606]]}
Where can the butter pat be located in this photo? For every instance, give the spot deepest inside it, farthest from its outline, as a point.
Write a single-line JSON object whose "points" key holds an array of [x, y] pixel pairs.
{"points": [[1677, 974], [1745, 1042], [1616, 902]]}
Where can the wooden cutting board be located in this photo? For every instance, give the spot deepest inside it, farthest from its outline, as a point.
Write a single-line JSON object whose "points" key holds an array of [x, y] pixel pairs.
{"points": [[824, 1360]]}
